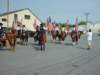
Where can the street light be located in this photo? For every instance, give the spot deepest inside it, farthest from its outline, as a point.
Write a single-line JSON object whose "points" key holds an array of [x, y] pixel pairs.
{"points": [[87, 15], [7, 12]]}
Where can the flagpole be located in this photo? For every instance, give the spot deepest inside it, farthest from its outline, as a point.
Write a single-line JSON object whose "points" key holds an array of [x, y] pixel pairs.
{"points": [[87, 14], [8, 14]]}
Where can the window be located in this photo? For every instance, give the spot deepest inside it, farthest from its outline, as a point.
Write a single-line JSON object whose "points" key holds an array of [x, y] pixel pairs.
{"points": [[27, 16], [15, 17], [4, 19]]}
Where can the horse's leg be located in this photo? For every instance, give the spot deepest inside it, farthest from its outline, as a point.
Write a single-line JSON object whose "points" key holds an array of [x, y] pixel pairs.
{"points": [[26, 40], [44, 47], [73, 40], [77, 38], [41, 47]]}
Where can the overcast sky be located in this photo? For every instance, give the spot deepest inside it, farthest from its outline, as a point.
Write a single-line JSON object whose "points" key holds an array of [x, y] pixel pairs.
{"points": [[59, 10]]}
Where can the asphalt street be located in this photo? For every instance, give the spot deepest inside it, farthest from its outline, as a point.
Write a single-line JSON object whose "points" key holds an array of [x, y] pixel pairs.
{"points": [[57, 59]]}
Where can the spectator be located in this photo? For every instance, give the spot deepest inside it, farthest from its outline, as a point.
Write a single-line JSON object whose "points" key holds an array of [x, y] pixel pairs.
{"points": [[89, 38]]}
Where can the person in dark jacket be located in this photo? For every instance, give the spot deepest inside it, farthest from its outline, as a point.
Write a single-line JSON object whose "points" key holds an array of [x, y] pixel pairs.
{"points": [[1, 30]]}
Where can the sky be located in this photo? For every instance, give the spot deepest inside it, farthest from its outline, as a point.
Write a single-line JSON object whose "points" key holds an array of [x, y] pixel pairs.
{"points": [[59, 10]]}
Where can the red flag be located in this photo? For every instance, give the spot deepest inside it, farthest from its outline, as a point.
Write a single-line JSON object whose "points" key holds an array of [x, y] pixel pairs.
{"points": [[67, 25], [49, 24], [76, 25]]}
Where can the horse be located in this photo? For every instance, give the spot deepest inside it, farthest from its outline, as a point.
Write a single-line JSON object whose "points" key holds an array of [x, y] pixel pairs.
{"points": [[11, 37], [24, 37], [75, 36], [62, 36], [42, 39], [54, 35]]}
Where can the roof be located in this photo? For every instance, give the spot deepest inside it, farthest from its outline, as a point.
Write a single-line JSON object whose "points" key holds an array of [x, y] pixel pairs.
{"points": [[3, 14]]}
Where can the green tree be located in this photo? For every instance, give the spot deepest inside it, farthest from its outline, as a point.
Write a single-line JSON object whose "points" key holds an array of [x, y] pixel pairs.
{"points": [[82, 23]]}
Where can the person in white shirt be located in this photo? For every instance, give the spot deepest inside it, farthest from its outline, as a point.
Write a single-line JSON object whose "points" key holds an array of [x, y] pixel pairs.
{"points": [[56, 28], [63, 29], [89, 38]]}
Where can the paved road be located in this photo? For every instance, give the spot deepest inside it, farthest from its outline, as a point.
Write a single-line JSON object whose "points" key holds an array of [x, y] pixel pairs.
{"points": [[58, 59]]}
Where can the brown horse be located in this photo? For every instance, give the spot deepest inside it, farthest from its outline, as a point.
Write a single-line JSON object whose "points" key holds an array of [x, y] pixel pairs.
{"points": [[42, 39], [75, 36], [24, 37], [11, 37], [54, 35], [62, 36]]}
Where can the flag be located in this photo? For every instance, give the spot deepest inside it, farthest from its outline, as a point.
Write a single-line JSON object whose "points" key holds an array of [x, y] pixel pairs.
{"points": [[35, 24], [67, 25], [49, 24], [13, 25], [76, 24], [54, 25]]}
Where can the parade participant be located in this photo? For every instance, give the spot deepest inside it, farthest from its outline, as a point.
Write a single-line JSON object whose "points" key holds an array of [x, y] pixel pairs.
{"points": [[63, 29], [42, 37], [36, 36], [1, 30], [89, 38], [57, 28], [2, 42], [18, 30]]}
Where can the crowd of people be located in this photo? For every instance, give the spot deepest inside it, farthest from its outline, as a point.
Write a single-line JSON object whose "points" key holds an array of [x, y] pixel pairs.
{"points": [[21, 31]]}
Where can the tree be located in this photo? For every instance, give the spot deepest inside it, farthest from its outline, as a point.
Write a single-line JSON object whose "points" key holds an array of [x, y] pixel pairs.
{"points": [[82, 23]]}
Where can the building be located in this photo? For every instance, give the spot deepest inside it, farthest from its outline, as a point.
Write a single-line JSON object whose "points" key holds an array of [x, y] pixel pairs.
{"points": [[97, 25], [22, 17]]}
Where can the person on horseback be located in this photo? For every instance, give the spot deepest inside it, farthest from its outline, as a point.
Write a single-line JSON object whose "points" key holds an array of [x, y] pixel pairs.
{"points": [[36, 36], [1, 30], [42, 37], [23, 34], [74, 36], [1, 35], [18, 31], [63, 29], [62, 34], [57, 29]]}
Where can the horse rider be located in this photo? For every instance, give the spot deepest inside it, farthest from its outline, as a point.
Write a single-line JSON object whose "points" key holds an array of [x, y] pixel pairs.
{"points": [[1, 30], [18, 30], [42, 30], [1, 34], [36, 36], [56, 29], [63, 29]]}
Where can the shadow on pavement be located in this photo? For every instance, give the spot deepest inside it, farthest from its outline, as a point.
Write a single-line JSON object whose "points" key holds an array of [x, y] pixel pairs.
{"points": [[4, 49], [83, 48], [36, 46], [68, 44]]}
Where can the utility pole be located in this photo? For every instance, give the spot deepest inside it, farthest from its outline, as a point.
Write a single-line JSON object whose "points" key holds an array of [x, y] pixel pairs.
{"points": [[87, 15], [8, 14]]}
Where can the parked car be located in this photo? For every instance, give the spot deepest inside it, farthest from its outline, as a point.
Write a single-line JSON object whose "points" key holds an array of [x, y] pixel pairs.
{"points": [[99, 33]]}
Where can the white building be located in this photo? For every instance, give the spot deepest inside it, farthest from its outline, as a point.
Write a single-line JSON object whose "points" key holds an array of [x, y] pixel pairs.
{"points": [[97, 25], [90, 25], [24, 16]]}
